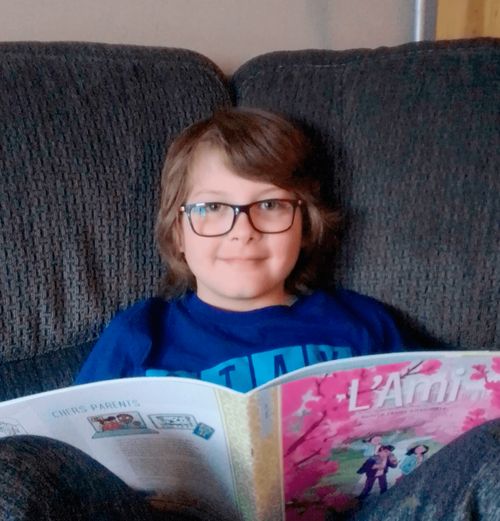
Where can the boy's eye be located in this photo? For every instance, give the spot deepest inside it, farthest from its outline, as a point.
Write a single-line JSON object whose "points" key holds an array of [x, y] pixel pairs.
{"points": [[271, 204], [213, 207], [206, 208]]}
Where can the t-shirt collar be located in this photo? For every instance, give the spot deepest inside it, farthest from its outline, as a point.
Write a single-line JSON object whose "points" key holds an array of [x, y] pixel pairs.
{"points": [[198, 307]]}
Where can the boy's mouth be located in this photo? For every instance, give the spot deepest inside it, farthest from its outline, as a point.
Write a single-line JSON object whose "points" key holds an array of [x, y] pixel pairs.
{"points": [[242, 259]]}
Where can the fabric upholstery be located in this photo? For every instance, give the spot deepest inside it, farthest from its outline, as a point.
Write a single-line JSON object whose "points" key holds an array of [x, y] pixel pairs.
{"points": [[83, 133], [410, 137]]}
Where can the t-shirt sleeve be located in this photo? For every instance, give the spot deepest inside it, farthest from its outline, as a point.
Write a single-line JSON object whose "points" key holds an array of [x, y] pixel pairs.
{"points": [[385, 336], [118, 351], [391, 338]]}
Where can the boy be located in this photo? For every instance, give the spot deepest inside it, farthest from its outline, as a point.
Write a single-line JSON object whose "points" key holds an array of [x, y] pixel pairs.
{"points": [[241, 230]]}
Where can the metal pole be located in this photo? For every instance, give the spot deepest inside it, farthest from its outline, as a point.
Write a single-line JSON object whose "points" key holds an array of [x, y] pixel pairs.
{"points": [[424, 27]]}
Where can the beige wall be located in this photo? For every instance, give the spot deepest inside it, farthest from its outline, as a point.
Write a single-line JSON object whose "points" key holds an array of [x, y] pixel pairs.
{"points": [[227, 31]]}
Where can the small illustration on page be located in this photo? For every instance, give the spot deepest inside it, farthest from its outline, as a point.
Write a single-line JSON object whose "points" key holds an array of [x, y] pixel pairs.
{"points": [[188, 422], [119, 424], [414, 457], [376, 468], [10, 427], [407, 451], [203, 431], [173, 421]]}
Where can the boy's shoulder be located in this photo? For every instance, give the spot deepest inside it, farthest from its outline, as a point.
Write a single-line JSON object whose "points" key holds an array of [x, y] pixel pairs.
{"points": [[142, 312], [354, 307], [347, 298]]}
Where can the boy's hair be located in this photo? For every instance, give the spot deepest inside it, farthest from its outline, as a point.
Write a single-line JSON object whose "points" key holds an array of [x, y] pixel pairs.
{"points": [[257, 145]]}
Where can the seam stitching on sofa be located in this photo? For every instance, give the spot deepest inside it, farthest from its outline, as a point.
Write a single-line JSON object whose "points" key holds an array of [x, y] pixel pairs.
{"points": [[357, 60]]}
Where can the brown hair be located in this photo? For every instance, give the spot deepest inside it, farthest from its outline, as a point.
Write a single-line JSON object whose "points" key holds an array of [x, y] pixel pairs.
{"points": [[258, 145]]}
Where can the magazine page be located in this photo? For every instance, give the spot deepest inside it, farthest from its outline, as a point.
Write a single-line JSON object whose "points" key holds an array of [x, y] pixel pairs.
{"points": [[356, 432], [355, 362], [163, 435], [264, 424]]}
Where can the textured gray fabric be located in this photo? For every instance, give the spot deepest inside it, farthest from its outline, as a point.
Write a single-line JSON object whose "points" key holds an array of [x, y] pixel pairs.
{"points": [[83, 133], [43, 372], [411, 144], [47, 480]]}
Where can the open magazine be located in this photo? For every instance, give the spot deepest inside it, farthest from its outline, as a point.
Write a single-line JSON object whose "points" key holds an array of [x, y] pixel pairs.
{"points": [[321, 438]]}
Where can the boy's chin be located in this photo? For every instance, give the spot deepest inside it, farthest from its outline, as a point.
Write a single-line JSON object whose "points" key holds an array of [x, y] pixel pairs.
{"points": [[244, 299]]}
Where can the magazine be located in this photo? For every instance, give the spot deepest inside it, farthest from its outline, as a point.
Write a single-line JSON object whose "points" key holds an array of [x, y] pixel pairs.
{"points": [[320, 438]]}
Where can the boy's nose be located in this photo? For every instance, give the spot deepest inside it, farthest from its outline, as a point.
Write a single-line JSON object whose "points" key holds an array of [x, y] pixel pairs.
{"points": [[242, 228]]}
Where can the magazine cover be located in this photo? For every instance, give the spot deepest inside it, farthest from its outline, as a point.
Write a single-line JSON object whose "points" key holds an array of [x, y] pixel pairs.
{"points": [[354, 433]]}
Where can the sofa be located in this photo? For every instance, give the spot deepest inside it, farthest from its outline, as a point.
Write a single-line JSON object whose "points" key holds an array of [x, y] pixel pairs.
{"points": [[407, 140]]}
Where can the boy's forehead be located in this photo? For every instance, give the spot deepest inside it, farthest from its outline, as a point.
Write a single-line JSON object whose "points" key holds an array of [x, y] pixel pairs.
{"points": [[205, 154], [210, 172], [206, 160]]}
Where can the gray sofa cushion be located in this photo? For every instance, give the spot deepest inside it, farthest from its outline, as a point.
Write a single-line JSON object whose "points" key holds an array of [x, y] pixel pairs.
{"points": [[411, 138], [83, 133]]}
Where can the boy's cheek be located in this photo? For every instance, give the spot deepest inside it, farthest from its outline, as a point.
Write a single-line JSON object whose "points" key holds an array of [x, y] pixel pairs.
{"points": [[179, 237]]}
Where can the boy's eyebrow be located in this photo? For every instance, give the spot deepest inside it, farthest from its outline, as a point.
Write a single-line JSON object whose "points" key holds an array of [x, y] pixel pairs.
{"points": [[207, 192], [226, 194]]}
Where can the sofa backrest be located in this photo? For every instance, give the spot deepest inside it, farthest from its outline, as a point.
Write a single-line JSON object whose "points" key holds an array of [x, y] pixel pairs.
{"points": [[409, 146], [411, 141], [83, 133]]}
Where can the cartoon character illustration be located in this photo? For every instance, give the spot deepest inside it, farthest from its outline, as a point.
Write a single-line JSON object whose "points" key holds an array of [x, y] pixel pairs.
{"points": [[370, 444], [119, 424], [108, 423], [126, 421], [413, 458], [376, 468]]}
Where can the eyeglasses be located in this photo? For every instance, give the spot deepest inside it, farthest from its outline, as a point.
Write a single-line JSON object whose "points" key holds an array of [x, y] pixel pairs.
{"points": [[216, 219]]}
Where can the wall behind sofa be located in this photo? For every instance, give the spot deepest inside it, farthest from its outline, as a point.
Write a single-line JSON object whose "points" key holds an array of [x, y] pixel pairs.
{"points": [[227, 31]]}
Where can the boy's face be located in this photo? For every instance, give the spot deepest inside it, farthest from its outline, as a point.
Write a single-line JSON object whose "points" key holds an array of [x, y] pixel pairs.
{"points": [[244, 269]]}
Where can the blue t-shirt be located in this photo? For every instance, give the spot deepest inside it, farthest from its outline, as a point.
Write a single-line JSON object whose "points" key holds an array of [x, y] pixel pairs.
{"points": [[239, 349]]}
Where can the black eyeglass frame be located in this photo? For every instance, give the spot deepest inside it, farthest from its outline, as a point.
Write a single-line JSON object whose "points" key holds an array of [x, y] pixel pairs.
{"points": [[237, 209]]}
